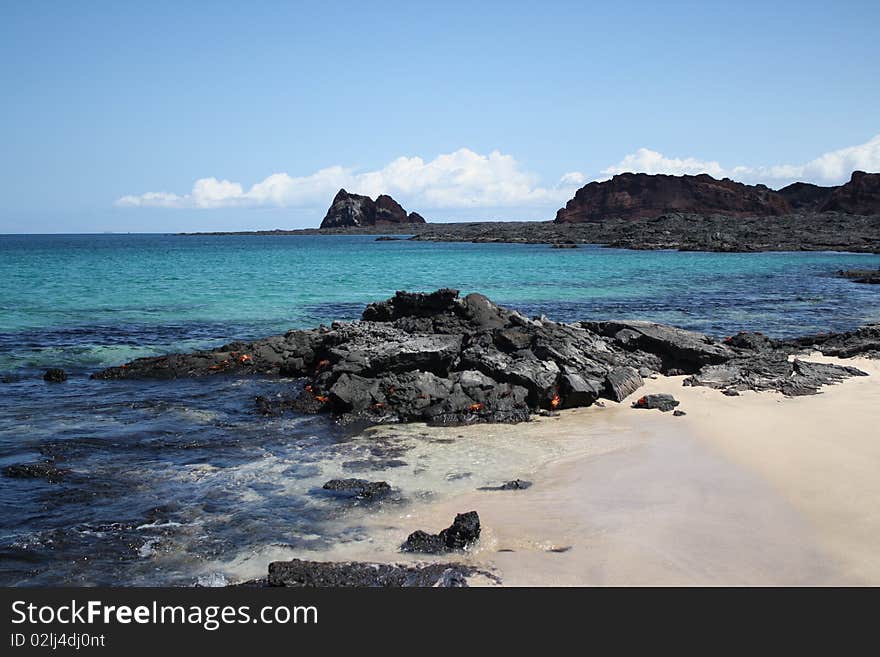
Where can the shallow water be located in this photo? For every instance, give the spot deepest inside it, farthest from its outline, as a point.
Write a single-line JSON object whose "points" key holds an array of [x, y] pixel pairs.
{"points": [[170, 480]]}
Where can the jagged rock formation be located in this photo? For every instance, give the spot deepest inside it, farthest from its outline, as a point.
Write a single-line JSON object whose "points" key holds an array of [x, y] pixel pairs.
{"points": [[460, 535], [861, 195], [447, 360], [640, 196], [353, 210]]}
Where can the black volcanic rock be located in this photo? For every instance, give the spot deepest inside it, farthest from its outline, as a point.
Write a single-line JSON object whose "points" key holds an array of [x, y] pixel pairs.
{"points": [[355, 210], [445, 360], [357, 488], [640, 195], [300, 573], [661, 401], [460, 535], [514, 484], [55, 375]]}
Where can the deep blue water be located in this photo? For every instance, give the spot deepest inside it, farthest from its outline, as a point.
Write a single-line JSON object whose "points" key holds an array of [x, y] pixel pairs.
{"points": [[167, 476]]}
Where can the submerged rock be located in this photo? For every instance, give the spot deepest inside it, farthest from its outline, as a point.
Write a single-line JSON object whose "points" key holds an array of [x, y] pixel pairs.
{"points": [[358, 488], [55, 375], [299, 573], [461, 534], [864, 276], [661, 401], [47, 470]]}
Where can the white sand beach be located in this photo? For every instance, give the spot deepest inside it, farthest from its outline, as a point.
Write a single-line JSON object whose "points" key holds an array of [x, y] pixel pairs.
{"points": [[757, 489]]}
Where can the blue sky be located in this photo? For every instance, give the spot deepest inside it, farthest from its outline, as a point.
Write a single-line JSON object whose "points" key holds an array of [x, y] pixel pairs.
{"points": [[460, 110]]}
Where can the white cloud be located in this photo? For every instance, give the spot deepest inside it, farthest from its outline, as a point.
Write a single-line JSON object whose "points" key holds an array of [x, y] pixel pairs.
{"points": [[827, 169], [455, 180], [465, 179], [645, 160]]}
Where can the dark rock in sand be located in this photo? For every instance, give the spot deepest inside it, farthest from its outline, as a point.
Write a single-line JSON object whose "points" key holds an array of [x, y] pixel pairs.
{"points": [[661, 401], [678, 413], [55, 375], [515, 484], [358, 488], [771, 372], [464, 532], [299, 573], [621, 382], [48, 471]]}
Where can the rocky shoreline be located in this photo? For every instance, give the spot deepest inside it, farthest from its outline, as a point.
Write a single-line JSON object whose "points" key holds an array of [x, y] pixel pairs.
{"points": [[446, 360], [800, 231]]}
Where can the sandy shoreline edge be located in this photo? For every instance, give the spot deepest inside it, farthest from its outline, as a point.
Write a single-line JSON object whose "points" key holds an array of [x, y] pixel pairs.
{"points": [[758, 489]]}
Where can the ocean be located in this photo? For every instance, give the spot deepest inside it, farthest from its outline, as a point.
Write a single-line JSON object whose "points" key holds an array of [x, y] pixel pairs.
{"points": [[171, 482]]}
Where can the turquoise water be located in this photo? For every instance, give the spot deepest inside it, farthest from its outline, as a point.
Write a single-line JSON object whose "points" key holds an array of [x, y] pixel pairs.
{"points": [[167, 476], [94, 300]]}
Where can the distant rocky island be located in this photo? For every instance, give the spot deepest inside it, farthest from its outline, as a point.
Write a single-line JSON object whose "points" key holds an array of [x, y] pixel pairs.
{"points": [[649, 212], [644, 196], [354, 210]]}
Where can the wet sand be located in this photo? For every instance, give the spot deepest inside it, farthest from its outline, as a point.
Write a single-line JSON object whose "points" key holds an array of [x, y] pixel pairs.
{"points": [[751, 490]]}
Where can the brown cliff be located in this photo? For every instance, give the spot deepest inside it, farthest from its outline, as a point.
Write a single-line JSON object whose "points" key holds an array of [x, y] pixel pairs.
{"points": [[640, 195]]}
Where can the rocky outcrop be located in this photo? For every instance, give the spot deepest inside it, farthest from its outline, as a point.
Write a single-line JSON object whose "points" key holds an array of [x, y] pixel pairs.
{"points": [[300, 573], [861, 195], [354, 210], [864, 341], [803, 196], [445, 360], [640, 195], [460, 535], [357, 488], [771, 372]]}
